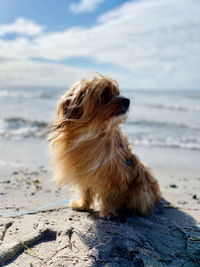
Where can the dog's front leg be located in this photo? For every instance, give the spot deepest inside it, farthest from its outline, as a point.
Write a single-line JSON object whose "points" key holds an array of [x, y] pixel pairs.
{"points": [[84, 202], [108, 207]]}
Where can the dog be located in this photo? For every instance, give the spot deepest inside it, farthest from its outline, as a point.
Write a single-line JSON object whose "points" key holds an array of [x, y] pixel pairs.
{"points": [[90, 151]]}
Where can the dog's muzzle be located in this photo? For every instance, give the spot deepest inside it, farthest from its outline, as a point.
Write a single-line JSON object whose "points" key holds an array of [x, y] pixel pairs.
{"points": [[125, 102]]}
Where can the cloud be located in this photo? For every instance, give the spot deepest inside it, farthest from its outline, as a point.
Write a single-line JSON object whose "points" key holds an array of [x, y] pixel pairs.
{"points": [[85, 6], [33, 73], [156, 41], [21, 26]]}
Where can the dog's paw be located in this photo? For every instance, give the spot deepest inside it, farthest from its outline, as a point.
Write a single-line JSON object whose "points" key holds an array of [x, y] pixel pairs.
{"points": [[78, 205], [107, 215]]}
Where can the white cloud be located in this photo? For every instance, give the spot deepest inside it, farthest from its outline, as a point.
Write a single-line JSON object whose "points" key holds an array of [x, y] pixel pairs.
{"points": [[31, 73], [21, 26], [157, 41], [85, 6]]}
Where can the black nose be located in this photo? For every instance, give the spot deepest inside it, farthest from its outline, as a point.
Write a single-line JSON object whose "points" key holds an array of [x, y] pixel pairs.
{"points": [[125, 102]]}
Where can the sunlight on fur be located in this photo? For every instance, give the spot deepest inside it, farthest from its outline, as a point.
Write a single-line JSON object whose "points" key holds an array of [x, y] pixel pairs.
{"points": [[90, 151]]}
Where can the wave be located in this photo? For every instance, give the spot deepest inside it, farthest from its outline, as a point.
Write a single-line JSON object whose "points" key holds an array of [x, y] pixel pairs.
{"points": [[171, 107], [167, 142], [152, 123], [18, 128], [18, 122], [25, 94]]}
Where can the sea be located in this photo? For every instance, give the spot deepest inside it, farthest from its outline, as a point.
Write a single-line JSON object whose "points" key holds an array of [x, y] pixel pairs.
{"points": [[157, 118]]}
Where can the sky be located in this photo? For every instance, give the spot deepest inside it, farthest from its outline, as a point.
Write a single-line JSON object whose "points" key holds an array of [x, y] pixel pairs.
{"points": [[143, 44]]}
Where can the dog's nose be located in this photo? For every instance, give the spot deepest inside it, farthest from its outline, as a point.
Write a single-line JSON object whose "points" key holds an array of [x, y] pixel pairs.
{"points": [[126, 102]]}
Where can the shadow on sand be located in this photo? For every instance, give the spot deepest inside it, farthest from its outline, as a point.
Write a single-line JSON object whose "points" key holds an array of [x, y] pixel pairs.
{"points": [[165, 237]]}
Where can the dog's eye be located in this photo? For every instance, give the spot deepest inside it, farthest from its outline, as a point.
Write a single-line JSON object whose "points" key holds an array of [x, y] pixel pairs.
{"points": [[106, 95], [76, 113]]}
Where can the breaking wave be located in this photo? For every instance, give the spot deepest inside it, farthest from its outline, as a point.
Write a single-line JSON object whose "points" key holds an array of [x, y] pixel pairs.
{"points": [[26, 94], [172, 107], [170, 142], [152, 123], [18, 128]]}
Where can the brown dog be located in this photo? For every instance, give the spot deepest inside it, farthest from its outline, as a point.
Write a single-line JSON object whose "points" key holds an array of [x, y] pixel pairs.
{"points": [[90, 151]]}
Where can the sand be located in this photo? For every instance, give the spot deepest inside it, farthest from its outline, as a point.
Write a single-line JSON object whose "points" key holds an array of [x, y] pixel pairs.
{"points": [[169, 235]]}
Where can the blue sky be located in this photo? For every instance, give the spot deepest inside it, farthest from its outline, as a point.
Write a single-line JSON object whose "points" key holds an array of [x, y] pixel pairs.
{"points": [[141, 43], [56, 15]]}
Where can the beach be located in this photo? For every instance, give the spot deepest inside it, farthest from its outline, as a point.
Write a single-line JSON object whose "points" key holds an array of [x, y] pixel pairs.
{"points": [[37, 225], [169, 235], [71, 73]]}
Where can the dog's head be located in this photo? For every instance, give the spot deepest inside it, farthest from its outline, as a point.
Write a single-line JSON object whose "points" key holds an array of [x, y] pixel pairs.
{"points": [[95, 103]]}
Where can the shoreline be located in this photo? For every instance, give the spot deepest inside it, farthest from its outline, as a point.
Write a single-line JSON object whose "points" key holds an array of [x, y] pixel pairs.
{"points": [[177, 171], [35, 151]]}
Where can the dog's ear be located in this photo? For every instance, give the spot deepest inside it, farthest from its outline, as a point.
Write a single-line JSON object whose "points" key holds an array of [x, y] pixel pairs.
{"points": [[72, 108]]}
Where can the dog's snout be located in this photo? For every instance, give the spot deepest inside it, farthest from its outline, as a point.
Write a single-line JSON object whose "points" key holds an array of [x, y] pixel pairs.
{"points": [[125, 101]]}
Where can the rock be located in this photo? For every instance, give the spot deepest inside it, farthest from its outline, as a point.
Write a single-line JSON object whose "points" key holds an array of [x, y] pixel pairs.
{"points": [[173, 186]]}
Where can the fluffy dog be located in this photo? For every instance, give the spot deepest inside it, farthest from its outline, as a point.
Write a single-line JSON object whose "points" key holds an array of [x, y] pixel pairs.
{"points": [[90, 151]]}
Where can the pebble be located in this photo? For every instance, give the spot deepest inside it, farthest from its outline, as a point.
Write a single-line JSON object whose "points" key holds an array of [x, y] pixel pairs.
{"points": [[6, 182], [173, 185]]}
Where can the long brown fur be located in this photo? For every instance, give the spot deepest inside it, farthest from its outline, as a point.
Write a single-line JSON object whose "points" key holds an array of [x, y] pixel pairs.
{"points": [[90, 151]]}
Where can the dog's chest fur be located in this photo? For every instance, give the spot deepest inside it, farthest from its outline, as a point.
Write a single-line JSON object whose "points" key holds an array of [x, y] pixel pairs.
{"points": [[102, 157]]}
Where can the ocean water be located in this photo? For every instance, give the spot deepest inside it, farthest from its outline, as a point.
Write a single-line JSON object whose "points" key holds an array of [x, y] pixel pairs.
{"points": [[157, 118]]}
